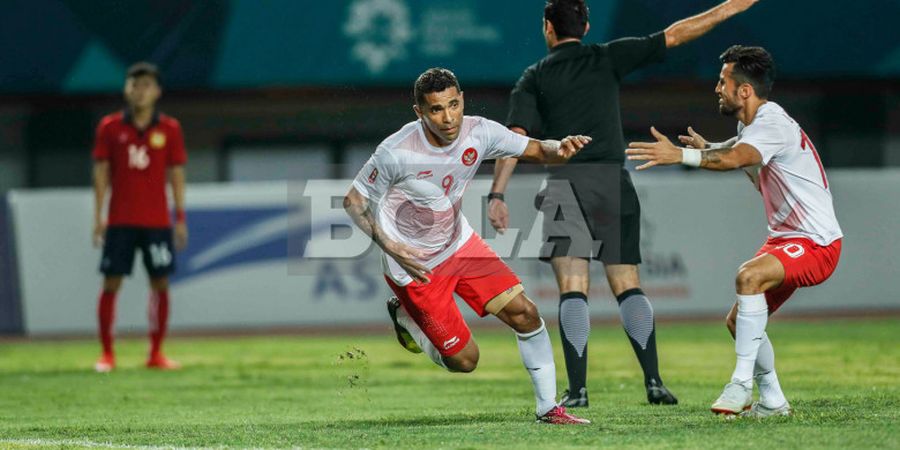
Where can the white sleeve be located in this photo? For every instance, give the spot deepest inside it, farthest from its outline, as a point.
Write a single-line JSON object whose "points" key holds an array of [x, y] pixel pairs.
{"points": [[502, 142], [767, 137], [377, 175]]}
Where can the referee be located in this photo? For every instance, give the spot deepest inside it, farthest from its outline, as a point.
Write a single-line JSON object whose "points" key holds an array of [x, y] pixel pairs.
{"points": [[575, 89]]}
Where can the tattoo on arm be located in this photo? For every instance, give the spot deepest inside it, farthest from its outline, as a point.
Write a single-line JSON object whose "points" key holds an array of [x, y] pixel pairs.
{"points": [[362, 215], [712, 159]]}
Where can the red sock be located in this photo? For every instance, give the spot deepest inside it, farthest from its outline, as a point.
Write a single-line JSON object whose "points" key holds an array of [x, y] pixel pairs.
{"points": [[159, 319], [106, 314]]}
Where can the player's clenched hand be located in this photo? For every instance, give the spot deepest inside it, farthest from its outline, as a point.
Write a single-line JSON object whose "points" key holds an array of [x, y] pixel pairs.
{"points": [[662, 152], [570, 145], [99, 233], [693, 139], [498, 214], [181, 235], [406, 257]]}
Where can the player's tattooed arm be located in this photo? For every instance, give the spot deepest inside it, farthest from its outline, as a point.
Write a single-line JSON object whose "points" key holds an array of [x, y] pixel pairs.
{"points": [[729, 158], [663, 153], [359, 209], [551, 151]]}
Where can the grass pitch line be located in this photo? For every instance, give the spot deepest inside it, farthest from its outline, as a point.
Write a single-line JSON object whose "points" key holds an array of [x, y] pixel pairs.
{"points": [[43, 443]]}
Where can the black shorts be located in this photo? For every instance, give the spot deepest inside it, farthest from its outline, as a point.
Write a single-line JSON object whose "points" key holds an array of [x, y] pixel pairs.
{"points": [[591, 211], [121, 242]]}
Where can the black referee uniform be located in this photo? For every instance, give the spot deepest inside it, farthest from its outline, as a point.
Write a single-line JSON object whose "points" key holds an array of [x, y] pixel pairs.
{"points": [[575, 90]]}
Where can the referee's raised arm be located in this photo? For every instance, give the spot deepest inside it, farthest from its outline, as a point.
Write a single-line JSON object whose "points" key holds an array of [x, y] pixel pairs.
{"points": [[687, 30]]}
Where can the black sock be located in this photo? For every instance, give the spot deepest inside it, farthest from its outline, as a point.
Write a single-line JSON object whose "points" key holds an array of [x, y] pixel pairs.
{"points": [[574, 328], [637, 319]]}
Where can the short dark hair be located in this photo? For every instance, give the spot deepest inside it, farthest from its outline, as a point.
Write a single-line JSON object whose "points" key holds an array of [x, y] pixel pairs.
{"points": [[435, 79], [752, 65], [569, 17], [142, 68]]}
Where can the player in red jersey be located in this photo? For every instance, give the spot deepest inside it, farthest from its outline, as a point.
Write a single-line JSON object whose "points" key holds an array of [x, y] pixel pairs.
{"points": [[135, 151], [804, 242]]}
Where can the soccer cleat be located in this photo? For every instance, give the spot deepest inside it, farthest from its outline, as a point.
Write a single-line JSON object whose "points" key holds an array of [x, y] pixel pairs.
{"points": [[160, 362], [106, 363], [760, 411], [403, 337], [734, 399], [570, 401], [559, 416], [657, 394]]}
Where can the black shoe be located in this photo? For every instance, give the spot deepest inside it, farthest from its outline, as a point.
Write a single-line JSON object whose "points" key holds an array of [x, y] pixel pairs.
{"points": [[657, 394], [403, 337], [571, 401]]}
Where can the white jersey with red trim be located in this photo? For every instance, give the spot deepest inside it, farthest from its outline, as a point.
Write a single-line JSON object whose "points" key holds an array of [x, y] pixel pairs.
{"points": [[792, 180], [417, 188]]}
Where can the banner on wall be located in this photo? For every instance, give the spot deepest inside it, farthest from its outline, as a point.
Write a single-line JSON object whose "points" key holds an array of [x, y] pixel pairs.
{"points": [[242, 269]]}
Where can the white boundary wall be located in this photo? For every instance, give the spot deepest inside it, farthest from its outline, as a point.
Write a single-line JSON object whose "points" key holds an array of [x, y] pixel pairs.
{"points": [[697, 229]]}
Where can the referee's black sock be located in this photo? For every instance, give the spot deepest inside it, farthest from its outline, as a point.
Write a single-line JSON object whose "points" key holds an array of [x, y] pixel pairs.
{"points": [[637, 318], [574, 327]]}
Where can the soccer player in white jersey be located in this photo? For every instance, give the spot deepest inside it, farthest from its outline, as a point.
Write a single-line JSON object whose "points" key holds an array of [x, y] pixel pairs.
{"points": [[804, 242], [408, 198]]}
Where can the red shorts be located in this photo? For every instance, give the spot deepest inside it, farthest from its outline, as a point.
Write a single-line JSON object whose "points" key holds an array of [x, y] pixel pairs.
{"points": [[805, 264], [475, 273]]}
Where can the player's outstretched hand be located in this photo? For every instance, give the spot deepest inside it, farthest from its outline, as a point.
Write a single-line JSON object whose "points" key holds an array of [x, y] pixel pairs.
{"points": [[693, 139], [406, 257], [99, 233], [571, 145], [742, 5], [498, 214], [660, 153], [181, 236]]}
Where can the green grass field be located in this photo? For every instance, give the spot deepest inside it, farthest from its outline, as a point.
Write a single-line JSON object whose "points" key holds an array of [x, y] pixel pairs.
{"points": [[299, 391]]}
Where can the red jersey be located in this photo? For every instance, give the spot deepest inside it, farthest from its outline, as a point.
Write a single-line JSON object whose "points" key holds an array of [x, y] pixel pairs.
{"points": [[138, 160]]}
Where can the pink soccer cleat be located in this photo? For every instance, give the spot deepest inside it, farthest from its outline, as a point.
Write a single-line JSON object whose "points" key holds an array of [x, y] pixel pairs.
{"points": [[559, 416], [160, 362], [106, 363]]}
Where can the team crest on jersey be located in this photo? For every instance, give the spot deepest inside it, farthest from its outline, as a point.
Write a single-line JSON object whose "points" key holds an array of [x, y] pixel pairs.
{"points": [[157, 139], [373, 175], [470, 156]]}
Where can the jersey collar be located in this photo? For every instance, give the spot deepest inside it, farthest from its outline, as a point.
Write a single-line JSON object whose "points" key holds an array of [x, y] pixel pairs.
{"points": [[128, 118]]}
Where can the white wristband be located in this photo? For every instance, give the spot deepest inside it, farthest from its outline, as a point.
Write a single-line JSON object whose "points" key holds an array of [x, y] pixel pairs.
{"points": [[691, 157]]}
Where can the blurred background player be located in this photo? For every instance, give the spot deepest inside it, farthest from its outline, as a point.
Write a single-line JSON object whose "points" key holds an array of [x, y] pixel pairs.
{"points": [[136, 150], [408, 197], [804, 243], [576, 89]]}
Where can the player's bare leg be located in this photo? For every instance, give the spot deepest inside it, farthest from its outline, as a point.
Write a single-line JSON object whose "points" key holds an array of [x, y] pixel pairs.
{"points": [[158, 315], [522, 316], [754, 278], [636, 314], [465, 361], [574, 281], [106, 314]]}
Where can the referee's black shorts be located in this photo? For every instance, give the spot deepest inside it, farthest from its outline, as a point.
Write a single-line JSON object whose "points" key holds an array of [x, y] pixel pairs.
{"points": [[591, 211]]}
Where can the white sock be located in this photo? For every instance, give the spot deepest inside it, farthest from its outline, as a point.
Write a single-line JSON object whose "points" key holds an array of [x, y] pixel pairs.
{"points": [[419, 336], [753, 313], [770, 394], [537, 355]]}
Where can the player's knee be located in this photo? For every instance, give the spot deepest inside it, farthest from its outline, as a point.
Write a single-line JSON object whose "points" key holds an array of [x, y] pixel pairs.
{"points": [[464, 363], [112, 284], [748, 280], [467, 365]]}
